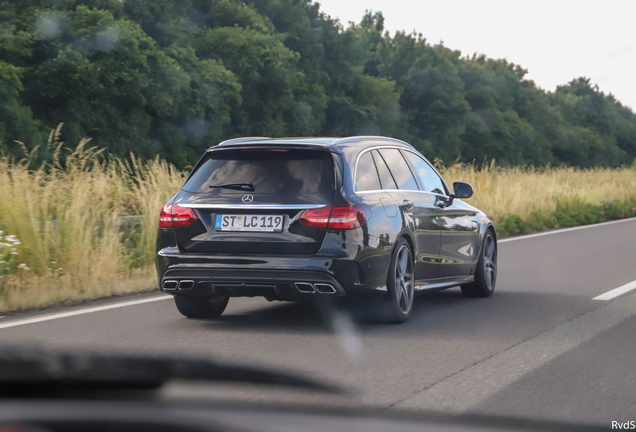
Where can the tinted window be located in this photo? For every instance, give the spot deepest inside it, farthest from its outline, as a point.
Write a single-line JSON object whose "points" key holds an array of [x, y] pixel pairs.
{"points": [[287, 172], [428, 177], [386, 179], [399, 168], [366, 174]]}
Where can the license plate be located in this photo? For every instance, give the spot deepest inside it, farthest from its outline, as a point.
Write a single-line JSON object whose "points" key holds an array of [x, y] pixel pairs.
{"points": [[267, 223]]}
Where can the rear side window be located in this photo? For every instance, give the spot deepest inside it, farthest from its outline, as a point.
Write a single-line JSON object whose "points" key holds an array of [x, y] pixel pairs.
{"points": [[285, 172], [386, 179], [428, 177], [366, 174], [399, 168]]}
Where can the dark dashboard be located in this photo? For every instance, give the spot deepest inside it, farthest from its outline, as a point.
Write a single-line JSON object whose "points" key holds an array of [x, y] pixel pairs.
{"points": [[104, 416]]}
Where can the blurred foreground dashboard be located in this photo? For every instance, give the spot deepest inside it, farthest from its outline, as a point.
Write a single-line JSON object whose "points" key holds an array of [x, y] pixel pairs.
{"points": [[94, 416]]}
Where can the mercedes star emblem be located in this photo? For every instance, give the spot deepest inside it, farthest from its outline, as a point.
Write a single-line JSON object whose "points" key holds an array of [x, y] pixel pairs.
{"points": [[248, 198]]}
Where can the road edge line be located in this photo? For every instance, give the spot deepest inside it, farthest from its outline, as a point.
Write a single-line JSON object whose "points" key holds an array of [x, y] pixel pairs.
{"points": [[565, 230], [49, 317]]}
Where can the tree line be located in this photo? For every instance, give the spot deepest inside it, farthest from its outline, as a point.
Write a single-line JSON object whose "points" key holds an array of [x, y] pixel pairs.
{"points": [[159, 77]]}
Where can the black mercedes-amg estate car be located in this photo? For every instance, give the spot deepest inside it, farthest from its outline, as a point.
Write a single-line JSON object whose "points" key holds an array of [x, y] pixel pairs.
{"points": [[293, 218]]}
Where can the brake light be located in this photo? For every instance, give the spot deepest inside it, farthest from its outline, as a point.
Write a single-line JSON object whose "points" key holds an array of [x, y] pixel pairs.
{"points": [[316, 218], [174, 216], [348, 217], [336, 217], [165, 217], [263, 150]]}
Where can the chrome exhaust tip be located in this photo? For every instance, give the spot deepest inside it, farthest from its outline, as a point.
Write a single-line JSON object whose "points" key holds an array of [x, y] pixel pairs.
{"points": [[304, 287], [186, 284], [170, 285], [324, 288]]}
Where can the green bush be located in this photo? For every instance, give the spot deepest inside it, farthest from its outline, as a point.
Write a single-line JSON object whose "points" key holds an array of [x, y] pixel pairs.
{"points": [[550, 222], [564, 220], [513, 225], [536, 222], [566, 216], [611, 210]]}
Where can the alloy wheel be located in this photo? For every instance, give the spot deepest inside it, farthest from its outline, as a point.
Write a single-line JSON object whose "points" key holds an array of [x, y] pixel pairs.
{"points": [[404, 286], [490, 262]]}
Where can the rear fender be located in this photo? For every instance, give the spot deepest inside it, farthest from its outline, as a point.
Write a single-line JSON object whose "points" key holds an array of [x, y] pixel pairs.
{"points": [[409, 238], [485, 224]]}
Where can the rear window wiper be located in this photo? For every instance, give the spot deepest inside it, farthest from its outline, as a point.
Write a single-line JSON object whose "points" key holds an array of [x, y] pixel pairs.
{"points": [[237, 186]]}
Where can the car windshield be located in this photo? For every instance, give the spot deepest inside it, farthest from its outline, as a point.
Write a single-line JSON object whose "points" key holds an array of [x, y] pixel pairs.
{"points": [[431, 202]]}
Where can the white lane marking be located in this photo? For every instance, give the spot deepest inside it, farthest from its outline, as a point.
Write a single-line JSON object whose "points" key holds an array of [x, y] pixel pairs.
{"points": [[566, 229], [79, 312], [616, 291]]}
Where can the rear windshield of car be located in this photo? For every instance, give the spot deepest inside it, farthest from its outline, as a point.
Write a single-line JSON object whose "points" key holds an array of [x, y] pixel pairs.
{"points": [[286, 172]]}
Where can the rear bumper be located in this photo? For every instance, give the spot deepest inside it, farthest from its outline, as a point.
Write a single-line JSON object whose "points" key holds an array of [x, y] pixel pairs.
{"points": [[284, 285], [275, 278]]}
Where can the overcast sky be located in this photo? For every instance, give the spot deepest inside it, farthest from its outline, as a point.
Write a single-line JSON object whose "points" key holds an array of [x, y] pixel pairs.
{"points": [[555, 41]]}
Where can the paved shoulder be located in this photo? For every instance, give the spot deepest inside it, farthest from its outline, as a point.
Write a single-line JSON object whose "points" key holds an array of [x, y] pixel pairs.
{"points": [[469, 388]]}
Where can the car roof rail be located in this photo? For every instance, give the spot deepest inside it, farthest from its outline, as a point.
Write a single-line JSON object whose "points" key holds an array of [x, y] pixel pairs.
{"points": [[371, 137]]}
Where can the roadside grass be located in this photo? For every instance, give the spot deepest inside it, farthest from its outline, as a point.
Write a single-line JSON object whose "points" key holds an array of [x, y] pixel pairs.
{"points": [[525, 199], [66, 233], [62, 237]]}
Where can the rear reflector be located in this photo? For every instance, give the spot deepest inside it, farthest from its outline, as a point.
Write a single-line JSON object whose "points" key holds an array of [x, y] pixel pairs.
{"points": [[336, 217], [173, 216]]}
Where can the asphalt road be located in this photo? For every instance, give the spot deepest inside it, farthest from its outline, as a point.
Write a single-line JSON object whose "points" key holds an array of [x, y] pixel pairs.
{"points": [[540, 348]]}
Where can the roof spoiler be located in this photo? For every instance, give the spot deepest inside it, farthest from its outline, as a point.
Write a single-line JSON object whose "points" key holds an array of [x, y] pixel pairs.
{"points": [[239, 140]]}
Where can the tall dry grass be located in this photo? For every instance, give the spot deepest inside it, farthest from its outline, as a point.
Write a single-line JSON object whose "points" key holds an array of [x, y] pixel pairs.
{"points": [[531, 192], [65, 236]]}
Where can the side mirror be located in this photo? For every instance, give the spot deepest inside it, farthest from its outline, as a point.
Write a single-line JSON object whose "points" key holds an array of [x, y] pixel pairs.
{"points": [[463, 190]]}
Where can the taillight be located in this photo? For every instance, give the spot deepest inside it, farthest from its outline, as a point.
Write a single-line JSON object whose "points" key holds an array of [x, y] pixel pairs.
{"points": [[348, 217], [336, 217], [317, 218], [165, 217], [173, 216]]}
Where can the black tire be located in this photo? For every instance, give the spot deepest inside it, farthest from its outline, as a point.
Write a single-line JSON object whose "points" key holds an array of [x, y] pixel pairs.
{"points": [[193, 307], [398, 305], [486, 271]]}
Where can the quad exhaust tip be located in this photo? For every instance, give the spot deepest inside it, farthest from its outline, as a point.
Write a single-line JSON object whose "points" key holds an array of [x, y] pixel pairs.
{"points": [[186, 284], [322, 288], [325, 288], [170, 285], [305, 287]]}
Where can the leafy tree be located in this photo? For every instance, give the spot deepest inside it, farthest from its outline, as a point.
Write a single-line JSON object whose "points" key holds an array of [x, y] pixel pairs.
{"points": [[17, 120], [158, 77], [604, 131]]}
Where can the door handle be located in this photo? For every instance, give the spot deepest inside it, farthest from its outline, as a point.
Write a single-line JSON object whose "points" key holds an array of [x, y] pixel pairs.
{"points": [[408, 204]]}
